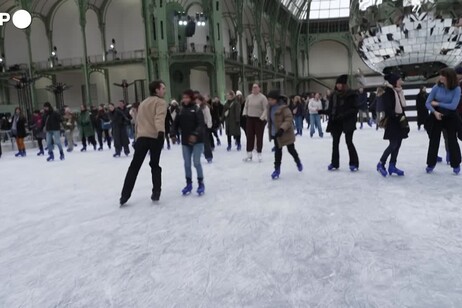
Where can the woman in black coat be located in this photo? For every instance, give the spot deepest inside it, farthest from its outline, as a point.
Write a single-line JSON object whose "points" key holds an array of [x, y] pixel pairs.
{"points": [[422, 111], [18, 130], [397, 128], [342, 112]]}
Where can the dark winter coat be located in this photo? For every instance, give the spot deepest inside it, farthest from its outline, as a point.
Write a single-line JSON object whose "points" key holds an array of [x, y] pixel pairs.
{"points": [[37, 126], [379, 103], [342, 112], [119, 118], [283, 119], [102, 117], [362, 101], [168, 121], [190, 121], [85, 125], [20, 127], [232, 111], [393, 131], [217, 115], [52, 121], [422, 111], [298, 110]]}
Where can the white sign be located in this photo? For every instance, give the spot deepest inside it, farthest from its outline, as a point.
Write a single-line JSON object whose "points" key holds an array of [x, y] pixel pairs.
{"points": [[22, 19]]}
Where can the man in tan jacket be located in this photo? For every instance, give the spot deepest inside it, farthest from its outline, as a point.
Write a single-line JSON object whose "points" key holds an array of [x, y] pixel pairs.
{"points": [[150, 133]]}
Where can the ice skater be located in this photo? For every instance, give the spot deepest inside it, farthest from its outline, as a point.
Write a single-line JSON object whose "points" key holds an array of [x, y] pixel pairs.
{"points": [[281, 130], [397, 127], [190, 122], [150, 132], [343, 111]]}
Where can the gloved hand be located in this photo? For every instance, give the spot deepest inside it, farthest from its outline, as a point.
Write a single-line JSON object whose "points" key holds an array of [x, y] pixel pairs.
{"points": [[279, 133], [161, 136], [173, 138]]}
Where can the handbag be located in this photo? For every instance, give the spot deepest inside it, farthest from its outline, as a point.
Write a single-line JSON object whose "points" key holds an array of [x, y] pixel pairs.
{"points": [[105, 125], [404, 122], [383, 122]]}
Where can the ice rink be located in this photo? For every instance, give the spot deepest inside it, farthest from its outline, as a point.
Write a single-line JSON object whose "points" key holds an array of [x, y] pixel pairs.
{"points": [[310, 239]]}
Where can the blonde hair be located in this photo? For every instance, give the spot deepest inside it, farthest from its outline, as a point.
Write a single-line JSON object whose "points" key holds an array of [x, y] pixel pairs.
{"points": [[380, 91], [297, 99]]}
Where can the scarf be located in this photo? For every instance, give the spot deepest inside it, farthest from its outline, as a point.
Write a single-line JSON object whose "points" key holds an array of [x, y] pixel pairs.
{"points": [[400, 100]]}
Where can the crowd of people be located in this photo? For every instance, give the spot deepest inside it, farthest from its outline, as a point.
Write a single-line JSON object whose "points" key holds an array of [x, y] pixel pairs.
{"points": [[197, 123]]}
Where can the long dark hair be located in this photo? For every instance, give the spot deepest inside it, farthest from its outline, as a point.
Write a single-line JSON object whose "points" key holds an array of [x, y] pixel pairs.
{"points": [[451, 77]]}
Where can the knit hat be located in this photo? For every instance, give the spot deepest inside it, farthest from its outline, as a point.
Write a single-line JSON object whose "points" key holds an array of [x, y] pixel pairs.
{"points": [[392, 78], [342, 79], [275, 94], [238, 93], [459, 70]]}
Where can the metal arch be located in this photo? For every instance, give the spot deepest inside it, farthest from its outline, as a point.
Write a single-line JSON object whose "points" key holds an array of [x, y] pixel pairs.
{"points": [[51, 15]]}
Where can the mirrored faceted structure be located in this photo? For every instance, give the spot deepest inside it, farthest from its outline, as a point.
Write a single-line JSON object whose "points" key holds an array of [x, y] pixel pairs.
{"points": [[414, 37]]}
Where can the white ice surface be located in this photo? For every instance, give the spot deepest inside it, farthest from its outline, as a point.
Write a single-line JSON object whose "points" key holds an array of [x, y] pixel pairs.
{"points": [[311, 239]]}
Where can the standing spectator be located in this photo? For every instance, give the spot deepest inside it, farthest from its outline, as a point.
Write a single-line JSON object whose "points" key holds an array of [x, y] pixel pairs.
{"points": [[422, 111], [190, 122], [149, 132], [103, 126], [363, 108], [133, 114], [379, 108], [86, 128], [52, 120], [314, 107], [119, 121], [281, 130], [18, 131], [201, 102], [255, 110], [217, 119], [69, 126], [174, 112], [298, 110], [343, 113], [372, 106], [232, 114], [397, 127], [243, 120], [37, 130], [442, 102], [168, 126]]}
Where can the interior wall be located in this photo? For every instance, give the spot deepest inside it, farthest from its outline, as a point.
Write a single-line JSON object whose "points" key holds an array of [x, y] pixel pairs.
{"points": [[124, 23], [67, 35], [101, 92], [72, 96], [130, 73], [200, 81], [15, 45], [328, 58], [93, 34], [39, 41]]}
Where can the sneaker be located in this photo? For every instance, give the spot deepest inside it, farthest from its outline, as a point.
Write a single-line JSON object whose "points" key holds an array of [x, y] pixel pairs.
{"points": [[238, 147], [248, 158], [300, 166], [456, 170], [123, 201], [430, 169], [276, 173], [116, 155]]}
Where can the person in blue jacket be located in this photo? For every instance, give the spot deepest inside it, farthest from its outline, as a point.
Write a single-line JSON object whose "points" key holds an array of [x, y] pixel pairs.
{"points": [[442, 103]]}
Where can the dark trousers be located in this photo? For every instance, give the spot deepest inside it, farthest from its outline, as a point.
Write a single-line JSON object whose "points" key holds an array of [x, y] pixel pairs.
{"points": [[255, 129], [278, 154], [354, 160], [393, 150], [449, 123], [207, 146], [237, 138], [243, 124], [91, 140], [144, 145], [40, 143], [213, 132], [100, 132]]}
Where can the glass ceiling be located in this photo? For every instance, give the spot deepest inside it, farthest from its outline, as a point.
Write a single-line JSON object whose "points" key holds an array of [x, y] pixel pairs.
{"points": [[319, 9]]}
